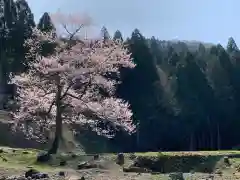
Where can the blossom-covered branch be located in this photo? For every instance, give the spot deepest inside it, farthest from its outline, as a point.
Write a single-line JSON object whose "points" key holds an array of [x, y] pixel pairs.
{"points": [[68, 85]]}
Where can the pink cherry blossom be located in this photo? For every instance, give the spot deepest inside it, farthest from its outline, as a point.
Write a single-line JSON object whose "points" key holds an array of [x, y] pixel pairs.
{"points": [[70, 83]]}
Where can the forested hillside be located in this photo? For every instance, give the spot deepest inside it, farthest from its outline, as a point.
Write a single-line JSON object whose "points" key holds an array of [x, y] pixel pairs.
{"points": [[184, 95]]}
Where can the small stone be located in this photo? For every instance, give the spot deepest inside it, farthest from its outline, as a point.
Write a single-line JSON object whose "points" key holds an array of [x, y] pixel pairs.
{"points": [[3, 178], [4, 159], [176, 176], [16, 178], [31, 172], [226, 160], [219, 172], [74, 155], [40, 176], [96, 157], [61, 173], [43, 157], [63, 163], [81, 165], [120, 159]]}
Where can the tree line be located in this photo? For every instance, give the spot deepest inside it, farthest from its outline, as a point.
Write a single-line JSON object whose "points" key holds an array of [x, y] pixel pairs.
{"points": [[183, 96]]}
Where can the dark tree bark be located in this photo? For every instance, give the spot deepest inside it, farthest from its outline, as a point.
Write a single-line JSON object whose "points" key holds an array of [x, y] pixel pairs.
{"points": [[58, 131]]}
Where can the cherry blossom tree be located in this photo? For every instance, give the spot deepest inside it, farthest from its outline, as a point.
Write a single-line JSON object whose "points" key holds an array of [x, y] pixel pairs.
{"points": [[73, 85]]}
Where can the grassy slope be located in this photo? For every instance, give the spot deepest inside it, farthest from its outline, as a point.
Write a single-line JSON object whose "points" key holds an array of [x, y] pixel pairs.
{"points": [[187, 162]]}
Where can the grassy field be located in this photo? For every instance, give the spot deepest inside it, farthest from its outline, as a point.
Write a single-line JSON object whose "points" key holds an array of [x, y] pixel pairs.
{"points": [[161, 164]]}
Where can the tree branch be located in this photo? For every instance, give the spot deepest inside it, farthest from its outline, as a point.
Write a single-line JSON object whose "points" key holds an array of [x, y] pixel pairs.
{"points": [[65, 93], [50, 108]]}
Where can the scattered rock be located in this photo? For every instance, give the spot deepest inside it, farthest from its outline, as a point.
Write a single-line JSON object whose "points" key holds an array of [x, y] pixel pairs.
{"points": [[226, 160], [81, 165], [218, 171], [3, 178], [120, 159], [176, 176], [132, 156], [238, 168], [16, 178], [4, 159], [63, 163], [74, 155], [40, 176], [61, 173], [96, 157], [136, 169], [86, 165], [31, 172], [211, 177], [43, 157]]}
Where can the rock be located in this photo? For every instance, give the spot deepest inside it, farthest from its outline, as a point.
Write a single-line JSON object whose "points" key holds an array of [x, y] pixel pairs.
{"points": [[61, 173], [176, 176], [132, 156], [226, 160], [1, 151], [135, 169], [43, 157], [3, 178], [4, 159], [16, 178], [96, 157], [218, 172], [82, 178], [74, 155], [31, 172], [81, 165], [40, 176], [25, 152], [86, 165], [211, 177], [63, 163], [120, 159]]}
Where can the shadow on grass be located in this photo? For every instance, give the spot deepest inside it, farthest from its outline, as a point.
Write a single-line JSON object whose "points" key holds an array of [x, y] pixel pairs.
{"points": [[185, 164]]}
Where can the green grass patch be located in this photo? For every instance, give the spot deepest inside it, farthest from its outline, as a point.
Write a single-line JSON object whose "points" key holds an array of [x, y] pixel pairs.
{"points": [[200, 161], [163, 162], [21, 159], [189, 153]]}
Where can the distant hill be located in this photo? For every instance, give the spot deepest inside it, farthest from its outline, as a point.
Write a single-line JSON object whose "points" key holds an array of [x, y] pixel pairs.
{"points": [[180, 45]]}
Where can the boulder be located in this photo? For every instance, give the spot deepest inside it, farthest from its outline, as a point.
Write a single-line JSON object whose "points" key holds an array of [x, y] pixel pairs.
{"points": [[120, 159], [31, 172], [43, 157], [61, 173], [40, 176], [176, 176]]}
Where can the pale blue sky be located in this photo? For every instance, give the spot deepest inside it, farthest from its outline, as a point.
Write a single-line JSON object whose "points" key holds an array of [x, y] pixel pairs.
{"points": [[206, 20]]}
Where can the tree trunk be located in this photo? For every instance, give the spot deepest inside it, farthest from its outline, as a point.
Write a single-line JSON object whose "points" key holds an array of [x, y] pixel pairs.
{"points": [[191, 148], [218, 138], [58, 131]]}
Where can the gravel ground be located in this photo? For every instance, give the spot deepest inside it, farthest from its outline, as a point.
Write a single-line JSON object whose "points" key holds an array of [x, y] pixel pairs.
{"points": [[91, 174]]}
